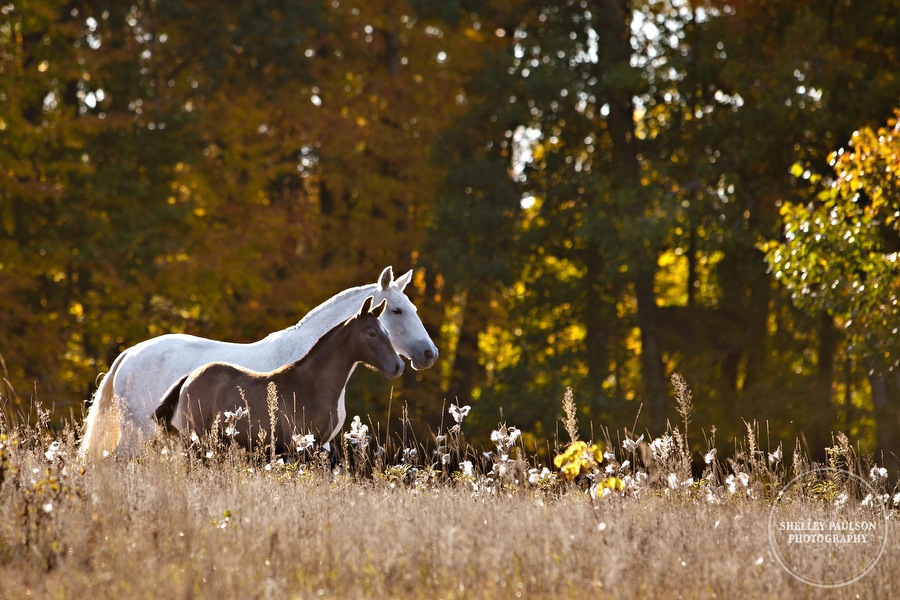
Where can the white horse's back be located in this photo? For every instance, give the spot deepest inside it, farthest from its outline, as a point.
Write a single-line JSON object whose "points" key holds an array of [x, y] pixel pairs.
{"points": [[169, 358]]}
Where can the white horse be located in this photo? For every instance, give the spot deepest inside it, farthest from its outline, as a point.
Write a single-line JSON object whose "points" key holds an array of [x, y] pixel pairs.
{"points": [[121, 416]]}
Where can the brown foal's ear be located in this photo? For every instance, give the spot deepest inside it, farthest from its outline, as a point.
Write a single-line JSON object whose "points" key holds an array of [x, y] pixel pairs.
{"points": [[379, 309], [366, 306]]}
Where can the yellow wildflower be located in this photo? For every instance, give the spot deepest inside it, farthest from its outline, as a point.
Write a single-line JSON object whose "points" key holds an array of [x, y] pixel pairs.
{"points": [[613, 483], [578, 458]]}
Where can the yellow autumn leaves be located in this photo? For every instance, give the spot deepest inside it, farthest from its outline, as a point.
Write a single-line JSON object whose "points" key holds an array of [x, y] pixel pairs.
{"points": [[578, 458]]}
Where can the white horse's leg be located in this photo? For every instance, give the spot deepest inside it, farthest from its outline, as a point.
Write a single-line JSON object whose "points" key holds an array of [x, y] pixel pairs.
{"points": [[136, 427], [131, 438], [126, 447]]}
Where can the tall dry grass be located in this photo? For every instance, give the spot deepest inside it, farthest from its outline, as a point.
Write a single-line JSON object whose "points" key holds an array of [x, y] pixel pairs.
{"points": [[393, 524]]}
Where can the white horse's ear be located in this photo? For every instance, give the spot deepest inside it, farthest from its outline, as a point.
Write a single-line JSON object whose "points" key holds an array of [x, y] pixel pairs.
{"points": [[379, 309], [366, 306], [386, 278], [403, 280]]}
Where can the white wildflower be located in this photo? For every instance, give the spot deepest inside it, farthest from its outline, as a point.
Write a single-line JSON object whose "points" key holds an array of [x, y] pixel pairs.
{"points": [[536, 476], [775, 457], [459, 412], [232, 418], [631, 445], [661, 447], [731, 483], [237, 415], [303, 442], [52, 451], [735, 479], [467, 469], [598, 491], [504, 438], [709, 456], [877, 473], [359, 433]]}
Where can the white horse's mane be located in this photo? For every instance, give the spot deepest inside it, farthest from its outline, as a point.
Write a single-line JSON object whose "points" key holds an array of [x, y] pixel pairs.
{"points": [[333, 306]]}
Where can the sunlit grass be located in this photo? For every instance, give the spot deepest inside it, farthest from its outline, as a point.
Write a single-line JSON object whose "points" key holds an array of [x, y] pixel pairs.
{"points": [[624, 519]]}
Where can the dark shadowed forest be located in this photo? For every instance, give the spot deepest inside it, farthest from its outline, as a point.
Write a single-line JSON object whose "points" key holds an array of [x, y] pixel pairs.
{"points": [[593, 194]]}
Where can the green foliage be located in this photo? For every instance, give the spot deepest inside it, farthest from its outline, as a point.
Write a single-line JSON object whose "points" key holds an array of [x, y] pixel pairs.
{"points": [[582, 188], [218, 170], [839, 251], [666, 161]]}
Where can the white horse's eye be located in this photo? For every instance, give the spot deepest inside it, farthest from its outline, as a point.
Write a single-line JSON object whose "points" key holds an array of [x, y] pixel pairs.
{"points": [[397, 311]]}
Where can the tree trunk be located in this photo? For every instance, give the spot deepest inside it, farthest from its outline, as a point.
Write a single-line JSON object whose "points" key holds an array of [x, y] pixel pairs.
{"points": [[466, 371], [651, 352], [822, 423], [597, 320], [614, 31], [885, 419]]}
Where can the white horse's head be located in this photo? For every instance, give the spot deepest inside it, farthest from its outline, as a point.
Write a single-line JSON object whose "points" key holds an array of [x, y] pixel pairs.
{"points": [[402, 322]]}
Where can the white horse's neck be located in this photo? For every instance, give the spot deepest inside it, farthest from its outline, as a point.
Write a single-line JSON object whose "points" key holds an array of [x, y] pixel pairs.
{"points": [[294, 342]]}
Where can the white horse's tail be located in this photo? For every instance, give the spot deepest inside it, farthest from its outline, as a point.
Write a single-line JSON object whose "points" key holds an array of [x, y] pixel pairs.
{"points": [[101, 426]]}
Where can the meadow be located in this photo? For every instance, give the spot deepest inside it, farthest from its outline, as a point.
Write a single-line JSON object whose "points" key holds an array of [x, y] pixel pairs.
{"points": [[622, 517]]}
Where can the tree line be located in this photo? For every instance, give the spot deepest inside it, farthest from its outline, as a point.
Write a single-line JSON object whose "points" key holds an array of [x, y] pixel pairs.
{"points": [[594, 194]]}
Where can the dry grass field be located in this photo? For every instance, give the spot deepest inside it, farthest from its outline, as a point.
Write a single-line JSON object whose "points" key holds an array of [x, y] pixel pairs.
{"points": [[177, 524]]}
